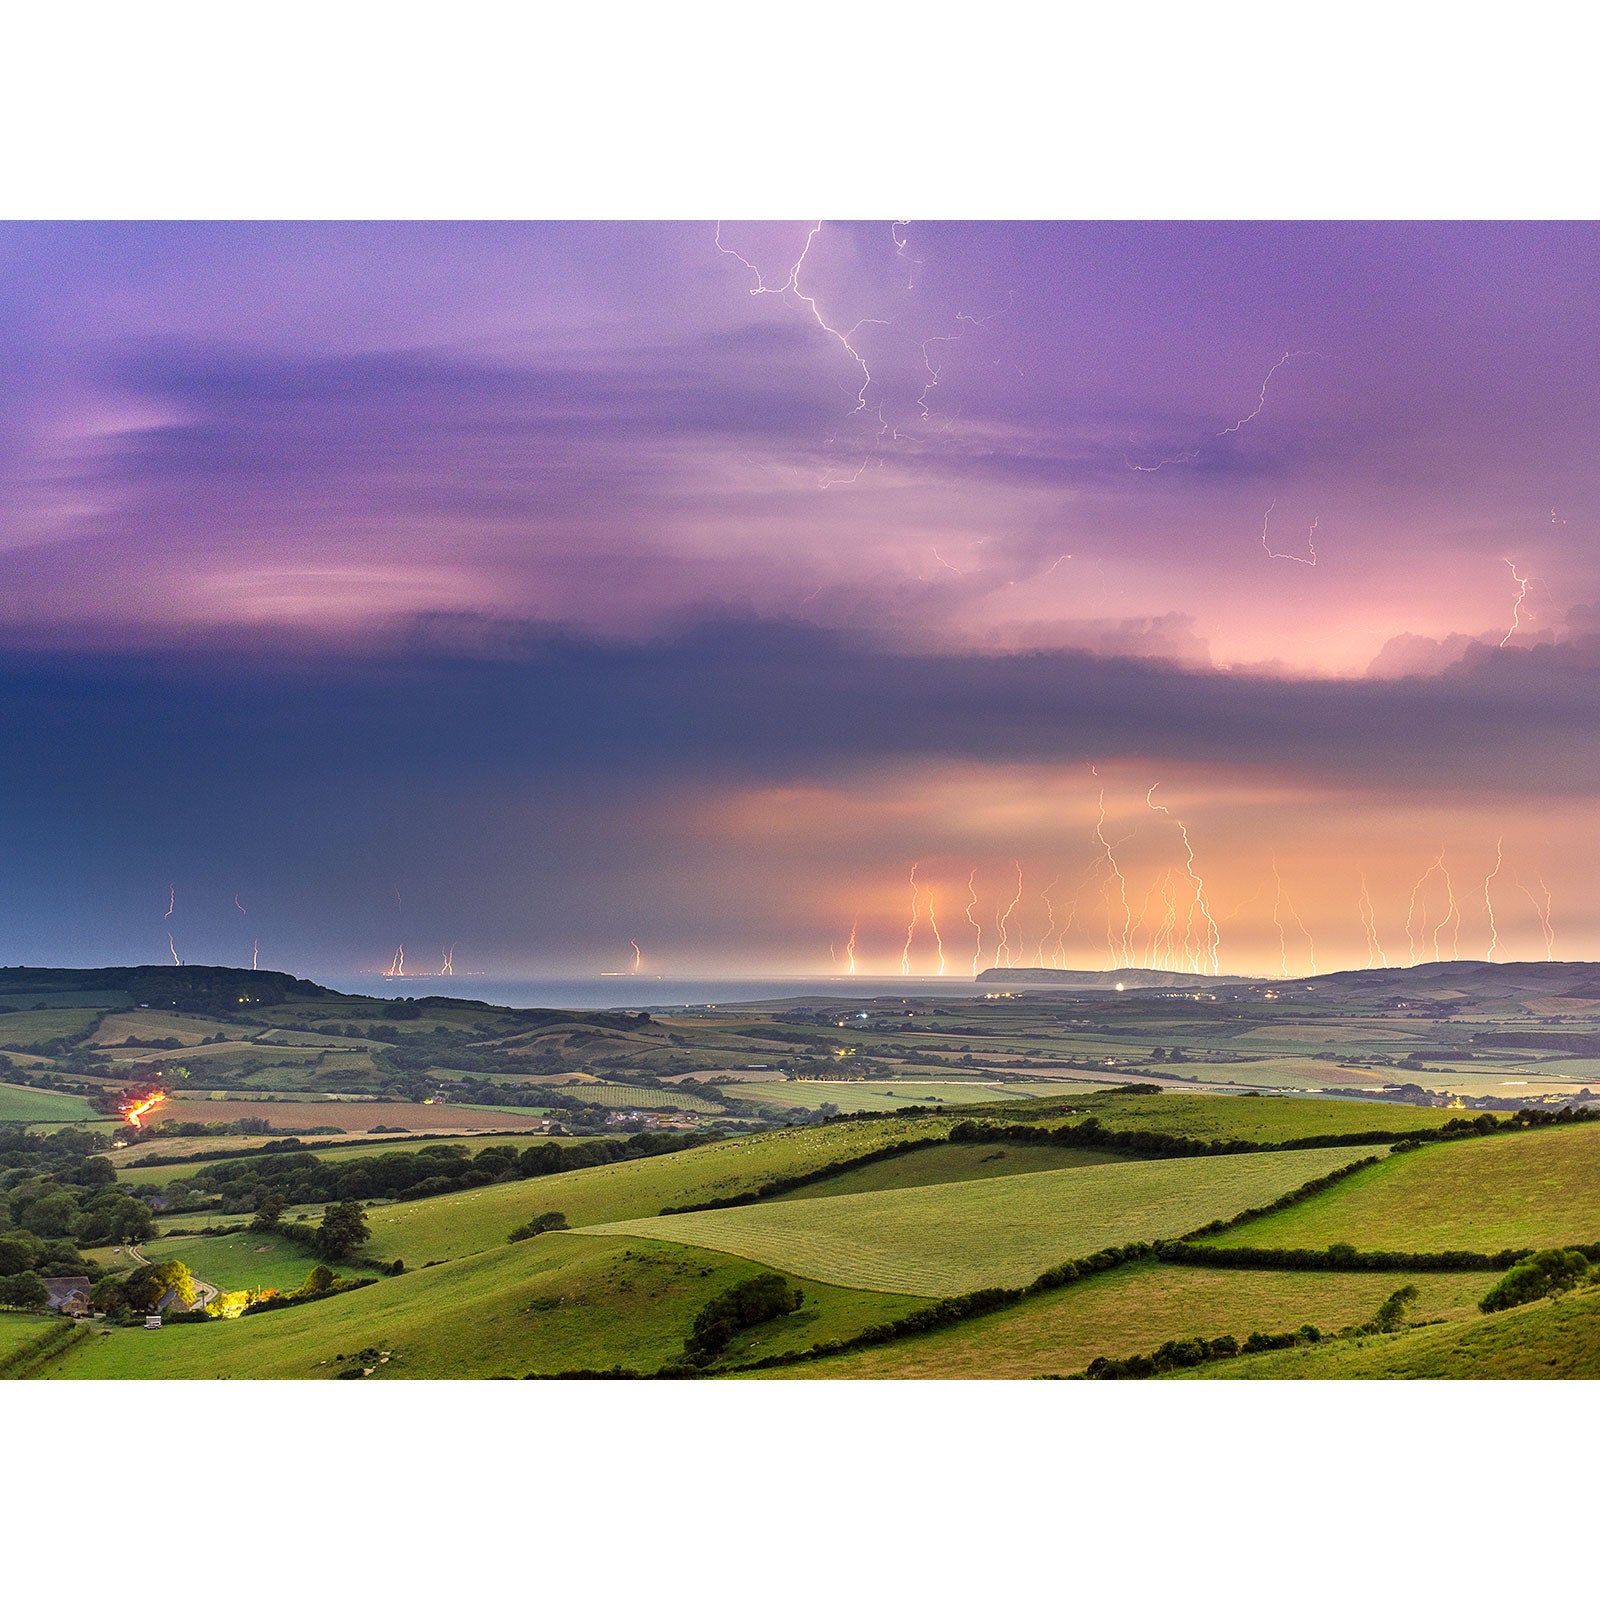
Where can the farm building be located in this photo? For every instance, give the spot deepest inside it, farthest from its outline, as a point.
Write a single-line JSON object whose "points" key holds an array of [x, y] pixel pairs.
{"points": [[69, 1296]]}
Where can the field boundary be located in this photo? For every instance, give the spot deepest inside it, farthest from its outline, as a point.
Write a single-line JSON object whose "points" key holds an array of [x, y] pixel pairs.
{"points": [[832, 1169], [952, 1309], [32, 1358]]}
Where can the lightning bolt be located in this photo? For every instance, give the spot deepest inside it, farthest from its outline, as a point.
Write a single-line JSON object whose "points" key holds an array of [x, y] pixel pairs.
{"points": [[1283, 555], [1121, 955], [934, 925], [1369, 923], [1281, 900], [943, 563], [174, 949], [850, 948], [972, 902], [1546, 926], [1002, 954], [638, 956], [255, 954], [1488, 903], [172, 901], [1277, 918], [1207, 953], [1183, 458], [239, 908], [1516, 605], [447, 963], [911, 927], [791, 285], [1261, 399], [397, 966], [1451, 912], [1050, 912]]}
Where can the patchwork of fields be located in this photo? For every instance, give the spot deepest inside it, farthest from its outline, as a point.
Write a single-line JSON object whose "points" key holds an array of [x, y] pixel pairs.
{"points": [[1000, 1232], [43, 1105], [1502, 1193], [1134, 1309]]}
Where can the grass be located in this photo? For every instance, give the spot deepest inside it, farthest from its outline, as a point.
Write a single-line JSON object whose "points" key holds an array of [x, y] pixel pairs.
{"points": [[43, 1105], [623, 1097], [1549, 1339], [889, 1095], [951, 1163], [954, 1237], [241, 1260], [20, 1029], [19, 1328], [353, 1116], [1135, 1309], [468, 1144], [1267, 1119], [1496, 1193], [476, 1219], [557, 1302]]}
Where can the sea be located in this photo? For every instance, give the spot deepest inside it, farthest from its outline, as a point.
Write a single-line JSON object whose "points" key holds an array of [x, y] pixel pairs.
{"points": [[645, 992]]}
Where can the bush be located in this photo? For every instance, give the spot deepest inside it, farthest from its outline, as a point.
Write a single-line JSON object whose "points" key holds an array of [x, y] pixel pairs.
{"points": [[546, 1222], [746, 1305], [1546, 1272]]}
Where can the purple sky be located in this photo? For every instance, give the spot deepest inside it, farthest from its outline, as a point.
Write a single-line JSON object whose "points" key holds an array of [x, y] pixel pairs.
{"points": [[549, 575]]}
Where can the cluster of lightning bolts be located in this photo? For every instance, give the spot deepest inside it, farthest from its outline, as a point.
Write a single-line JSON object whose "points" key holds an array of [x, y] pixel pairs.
{"points": [[792, 284], [397, 962], [1176, 928]]}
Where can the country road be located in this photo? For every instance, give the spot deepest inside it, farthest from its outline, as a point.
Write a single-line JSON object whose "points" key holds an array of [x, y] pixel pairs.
{"points": [[208, 1291]]}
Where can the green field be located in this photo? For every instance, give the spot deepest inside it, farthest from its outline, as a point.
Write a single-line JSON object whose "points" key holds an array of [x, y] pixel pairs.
{"points": [[1134, 1309], [1265, 1119], [624, 1098], [21, 1029], [950, 1163], [19, 1328], [468, 1144], [43, 1105], [556, 1302], [950, 1238], [1499, 1193], [1549, 1339], [240, 1260], [891, 1095], [456, 1224]]}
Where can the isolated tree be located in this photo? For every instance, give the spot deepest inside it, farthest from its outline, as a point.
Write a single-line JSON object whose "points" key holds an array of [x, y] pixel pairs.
{"points": [[344, 1229], [269, 1212], [318, 1280]]}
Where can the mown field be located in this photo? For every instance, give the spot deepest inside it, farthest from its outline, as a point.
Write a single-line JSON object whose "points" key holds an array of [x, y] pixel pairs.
{"points": [[18, 1104], [950, 1238], [1498, 1193], [1134, 1309], [557, 1302]]}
